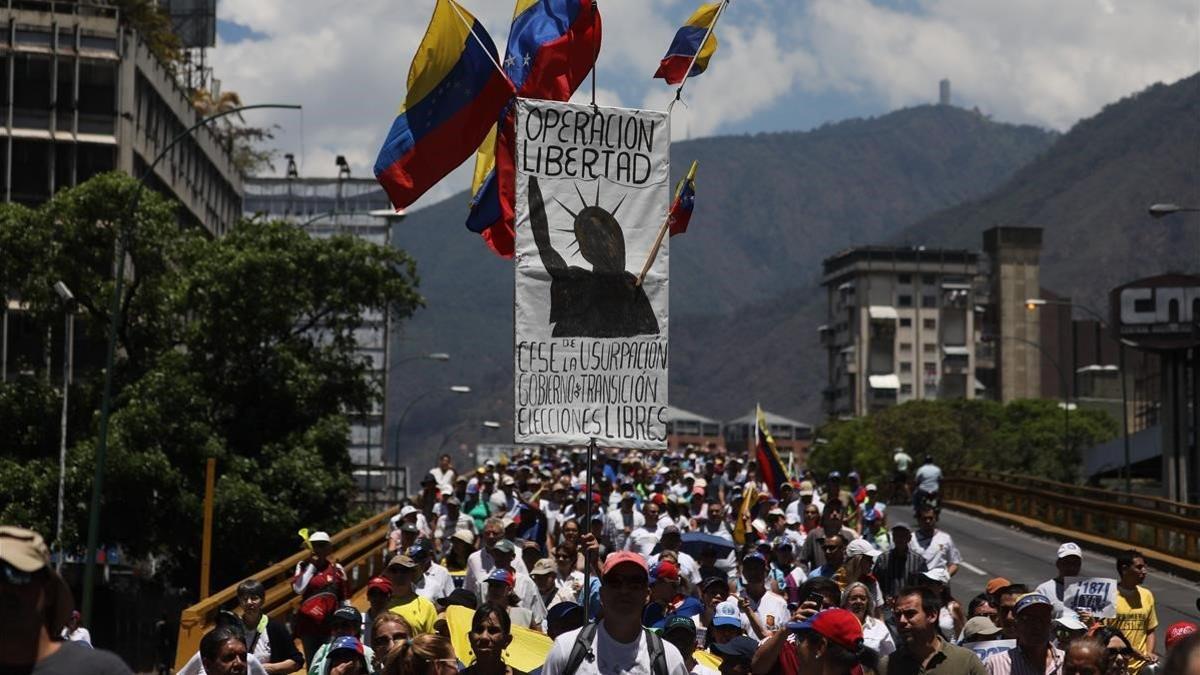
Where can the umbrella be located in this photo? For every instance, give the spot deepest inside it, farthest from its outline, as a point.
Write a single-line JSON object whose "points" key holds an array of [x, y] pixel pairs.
{"points": [[695, 542]]}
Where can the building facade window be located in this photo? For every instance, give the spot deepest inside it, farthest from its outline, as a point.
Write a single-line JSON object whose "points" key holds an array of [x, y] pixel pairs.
{"points": [[905, 367], [904, 300], [906, 323], [906, 346], [930, 348], [929, 301], [929, 324]]}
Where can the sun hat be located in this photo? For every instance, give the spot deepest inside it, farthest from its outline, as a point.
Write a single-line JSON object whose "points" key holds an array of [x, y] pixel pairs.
{"points": [[979, 627]]}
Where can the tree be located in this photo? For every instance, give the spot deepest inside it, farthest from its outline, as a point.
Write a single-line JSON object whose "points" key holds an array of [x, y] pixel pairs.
{"points": [[239, 349], [1024, 437]]}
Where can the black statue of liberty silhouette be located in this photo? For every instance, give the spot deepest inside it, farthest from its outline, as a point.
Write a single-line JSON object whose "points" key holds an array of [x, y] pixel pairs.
{"points": [[604, 302]]}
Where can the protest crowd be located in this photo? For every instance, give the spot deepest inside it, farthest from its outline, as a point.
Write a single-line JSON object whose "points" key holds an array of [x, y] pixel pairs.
{"points": [[682, 562]]}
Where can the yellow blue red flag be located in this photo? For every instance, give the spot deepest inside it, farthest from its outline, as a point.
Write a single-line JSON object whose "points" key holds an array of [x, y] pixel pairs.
{"points": [[771, 468], [552, 46], [686, 49], [685, 202], [455, 93]]}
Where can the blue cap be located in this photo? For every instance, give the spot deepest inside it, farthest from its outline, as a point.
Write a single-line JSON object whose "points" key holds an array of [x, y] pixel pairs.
{"points": [[740, 648], [563, 611], [727, 614], [1029, 600], [350, 644], [501, 576], [755, 556]]}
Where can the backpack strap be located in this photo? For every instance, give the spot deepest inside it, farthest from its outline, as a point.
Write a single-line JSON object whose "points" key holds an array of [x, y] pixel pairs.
{"points": [[581, 649], [658, 655]]}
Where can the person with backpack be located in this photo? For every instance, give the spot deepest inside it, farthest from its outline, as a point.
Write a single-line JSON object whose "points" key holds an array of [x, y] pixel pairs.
{"points": [[617, 643]]}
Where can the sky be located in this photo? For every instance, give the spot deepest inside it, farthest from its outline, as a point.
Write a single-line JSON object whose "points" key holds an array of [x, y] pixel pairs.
{"points": [[782, 65]]}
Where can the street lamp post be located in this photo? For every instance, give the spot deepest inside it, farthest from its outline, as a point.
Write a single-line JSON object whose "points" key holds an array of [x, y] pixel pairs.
{"points": [[122, 233], [68, 300], [435, 356], [1062, 378], [1034, 303], [453, 389]]}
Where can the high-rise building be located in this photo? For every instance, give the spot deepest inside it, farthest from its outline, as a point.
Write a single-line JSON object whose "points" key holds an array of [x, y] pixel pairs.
{"points": [[901, 326], [83, 94], [324, 207], [944, 92]]}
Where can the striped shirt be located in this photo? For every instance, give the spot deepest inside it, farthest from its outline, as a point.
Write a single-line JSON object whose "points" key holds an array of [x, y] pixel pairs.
{"points": [[893, 571], [1014, 662]]}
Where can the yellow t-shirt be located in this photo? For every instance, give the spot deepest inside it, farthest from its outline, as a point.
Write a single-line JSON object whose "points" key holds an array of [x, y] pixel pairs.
{"points": [[1136, 621], [418, 612]]}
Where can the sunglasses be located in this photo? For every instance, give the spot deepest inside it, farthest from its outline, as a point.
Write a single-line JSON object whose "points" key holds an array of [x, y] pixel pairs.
{"points": [[1123, 651], [13, 576]]}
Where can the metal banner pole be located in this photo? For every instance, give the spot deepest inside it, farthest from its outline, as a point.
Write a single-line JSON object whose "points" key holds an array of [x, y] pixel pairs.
{"points": [[587, 554]]}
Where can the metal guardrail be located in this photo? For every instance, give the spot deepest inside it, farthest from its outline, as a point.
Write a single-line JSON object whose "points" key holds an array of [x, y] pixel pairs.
{"points": [[358, 548], [1149, 523]]}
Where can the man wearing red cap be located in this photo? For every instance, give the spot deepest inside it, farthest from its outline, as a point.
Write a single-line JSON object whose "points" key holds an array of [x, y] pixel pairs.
{"points": [[665, 599], [618, 643], [829, 641]]}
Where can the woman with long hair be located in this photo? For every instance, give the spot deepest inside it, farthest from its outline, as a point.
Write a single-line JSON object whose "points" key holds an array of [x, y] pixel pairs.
{"points": [[387, 631], [1117, 650], [427, 654], [491, 632], [857, 598]]}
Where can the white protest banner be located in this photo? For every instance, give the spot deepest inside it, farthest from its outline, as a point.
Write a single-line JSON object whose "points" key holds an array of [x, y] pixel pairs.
{"points": [[592, 190], [1097, 595], [989, 647]]}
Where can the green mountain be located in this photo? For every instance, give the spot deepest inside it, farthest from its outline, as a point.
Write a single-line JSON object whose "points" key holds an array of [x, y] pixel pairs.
{"points": [[1090, 192], [769, 208]]}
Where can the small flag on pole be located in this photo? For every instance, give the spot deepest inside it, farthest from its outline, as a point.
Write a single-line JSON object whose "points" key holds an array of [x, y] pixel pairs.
{"points": [[774, 474], [686, 50], [749, 499], [685, 201]]}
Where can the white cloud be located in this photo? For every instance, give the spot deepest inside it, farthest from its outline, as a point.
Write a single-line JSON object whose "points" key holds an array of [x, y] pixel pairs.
{"points": [[1048, 63]]}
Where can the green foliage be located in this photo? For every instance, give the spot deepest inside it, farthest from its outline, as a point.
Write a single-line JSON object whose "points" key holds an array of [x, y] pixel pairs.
{"points": [[1024, 437], [239, 349], [150, 20]]}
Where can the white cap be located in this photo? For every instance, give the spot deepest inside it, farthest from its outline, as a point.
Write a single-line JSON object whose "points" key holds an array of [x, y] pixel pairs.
{"points": [[1070, 621], [776, 512], [408, 510], [508, 480], [871, 487], [1070, 549], [318, 536], [938, 574], [860, 547], [792, 519]]}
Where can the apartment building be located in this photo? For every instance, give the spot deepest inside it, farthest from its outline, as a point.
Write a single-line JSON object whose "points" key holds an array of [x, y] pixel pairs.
{"points": [[80, 94], [901, 326]]}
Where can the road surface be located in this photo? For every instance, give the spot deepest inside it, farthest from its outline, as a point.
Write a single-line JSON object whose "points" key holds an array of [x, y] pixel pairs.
{"points": [[993, 550]]}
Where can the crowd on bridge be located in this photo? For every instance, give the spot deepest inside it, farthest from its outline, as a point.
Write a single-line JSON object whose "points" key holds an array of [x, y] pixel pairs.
{"points": [[663, 562]]}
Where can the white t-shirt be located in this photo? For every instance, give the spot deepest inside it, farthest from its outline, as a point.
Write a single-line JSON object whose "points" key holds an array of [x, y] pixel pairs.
{"points": [[704, 670], [938, 550], [877, 636], [611, 657], [772, 611], [435, 583], [445, 479], [929, 478], [642, 541], [80, 634]]}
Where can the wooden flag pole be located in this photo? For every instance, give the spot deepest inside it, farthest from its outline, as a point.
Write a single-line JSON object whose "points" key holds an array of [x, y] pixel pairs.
{"points": [[666, 224]]}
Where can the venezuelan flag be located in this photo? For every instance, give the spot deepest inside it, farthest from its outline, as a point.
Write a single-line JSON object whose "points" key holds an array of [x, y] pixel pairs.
{"points": [[455, 94], [686, 46], [685, 201], [770, 467], [552, 46]]}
